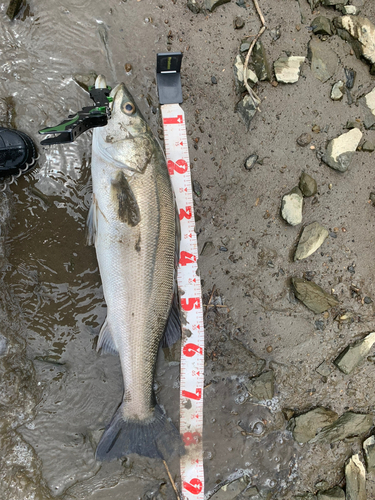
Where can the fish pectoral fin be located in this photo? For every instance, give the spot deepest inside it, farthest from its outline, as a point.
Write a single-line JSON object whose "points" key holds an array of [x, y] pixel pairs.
{"points": [[128, 209], [172, 332], [92, 223], [105, 341]]}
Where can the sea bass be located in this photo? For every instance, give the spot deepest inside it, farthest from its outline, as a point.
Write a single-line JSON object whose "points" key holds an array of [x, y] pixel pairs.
{"points": [[133, 224]]}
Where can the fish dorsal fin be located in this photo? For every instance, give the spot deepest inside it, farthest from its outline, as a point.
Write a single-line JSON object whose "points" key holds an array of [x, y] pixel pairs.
{"points": [[105, 341], [172, 332], [91, 223], [128, 210]]}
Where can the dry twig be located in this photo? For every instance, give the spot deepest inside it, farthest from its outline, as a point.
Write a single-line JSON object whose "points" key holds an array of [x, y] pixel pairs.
{"points": [[171, 480], [252, 94]]}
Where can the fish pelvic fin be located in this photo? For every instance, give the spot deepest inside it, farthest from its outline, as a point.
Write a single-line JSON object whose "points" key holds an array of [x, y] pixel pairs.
{"points": [[105, 340], [172, 332], [154, 438]]}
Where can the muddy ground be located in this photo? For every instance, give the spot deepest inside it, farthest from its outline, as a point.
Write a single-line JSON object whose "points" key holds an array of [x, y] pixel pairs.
{"points": [[57, 393]]}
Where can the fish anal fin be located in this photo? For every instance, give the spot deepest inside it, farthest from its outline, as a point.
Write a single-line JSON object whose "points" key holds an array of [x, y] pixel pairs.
{"points": [[172, 332], [105, 341]]}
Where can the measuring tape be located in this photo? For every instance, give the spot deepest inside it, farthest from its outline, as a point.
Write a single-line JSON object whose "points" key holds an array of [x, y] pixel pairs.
{"points": [[192, 346]]}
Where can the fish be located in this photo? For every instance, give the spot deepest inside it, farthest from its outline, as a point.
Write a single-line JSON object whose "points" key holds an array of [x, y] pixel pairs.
{"points": [[134, 226]]}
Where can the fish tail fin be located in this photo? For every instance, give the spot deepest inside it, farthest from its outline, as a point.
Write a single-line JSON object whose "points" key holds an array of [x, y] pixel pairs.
{"points": [[154, 438]]}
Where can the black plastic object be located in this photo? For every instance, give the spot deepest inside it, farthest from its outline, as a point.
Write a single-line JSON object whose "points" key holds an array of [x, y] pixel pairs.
{"points": [[168, 66], [88, 117], [17, 152]]}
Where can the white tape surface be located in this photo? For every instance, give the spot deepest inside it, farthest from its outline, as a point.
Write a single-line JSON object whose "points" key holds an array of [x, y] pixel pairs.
{"points": [[192, 346]]}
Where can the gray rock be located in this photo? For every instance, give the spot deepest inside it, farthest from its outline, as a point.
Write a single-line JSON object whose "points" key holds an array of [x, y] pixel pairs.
{"points": [[238, 23], [239, 75], [287, 69], [307, 425], [355, 354], [330, 3], [368, 102], [259, 62], [263, 386], [350, 10], [14, 8], [305, 496], [369, 452], [323, 60], [372, 198], [307, 185], [321, 26], [312, 238], [197, 188], [85, 81], [304, 140], [208, 249], [233, 358], [314, 297], [247, 109], [211, 5], [360, 32], [335, 493], [194, 6], [275, 33], [251, 161], [368, 146], [291, 207], [337, 91], [348, 425], [322, 485], [324, 369], [231, 490], [352, 124], [340, 151], [3, 345], [350, 75], [244, 46], [355, 476]]}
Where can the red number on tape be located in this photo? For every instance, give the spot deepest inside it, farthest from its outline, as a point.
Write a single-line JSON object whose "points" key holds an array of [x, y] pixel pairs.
{"points": [[195, 486], [180, 167], [188, 304], [191, 349], [173, 120], [197, 396], [187, 258], [191, 438], [185, 213]]}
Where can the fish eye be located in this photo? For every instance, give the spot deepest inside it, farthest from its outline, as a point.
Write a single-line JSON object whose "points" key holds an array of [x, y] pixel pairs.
{"points": [[128, 108]]}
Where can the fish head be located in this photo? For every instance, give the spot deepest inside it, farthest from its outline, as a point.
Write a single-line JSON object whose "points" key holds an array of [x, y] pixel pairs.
{"points": [[127, 139]]}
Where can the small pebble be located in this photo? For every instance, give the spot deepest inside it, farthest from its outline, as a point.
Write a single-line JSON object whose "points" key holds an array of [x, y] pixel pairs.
{"points": [[367, 300], [197, 188], [213, 80], [238, 23], [269, 348], [316, 129], [251, 161], [128, 67], [304, 140]]}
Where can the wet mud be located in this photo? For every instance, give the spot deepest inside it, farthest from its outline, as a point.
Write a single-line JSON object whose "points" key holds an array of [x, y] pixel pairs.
{"points": [[57, 393]]}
